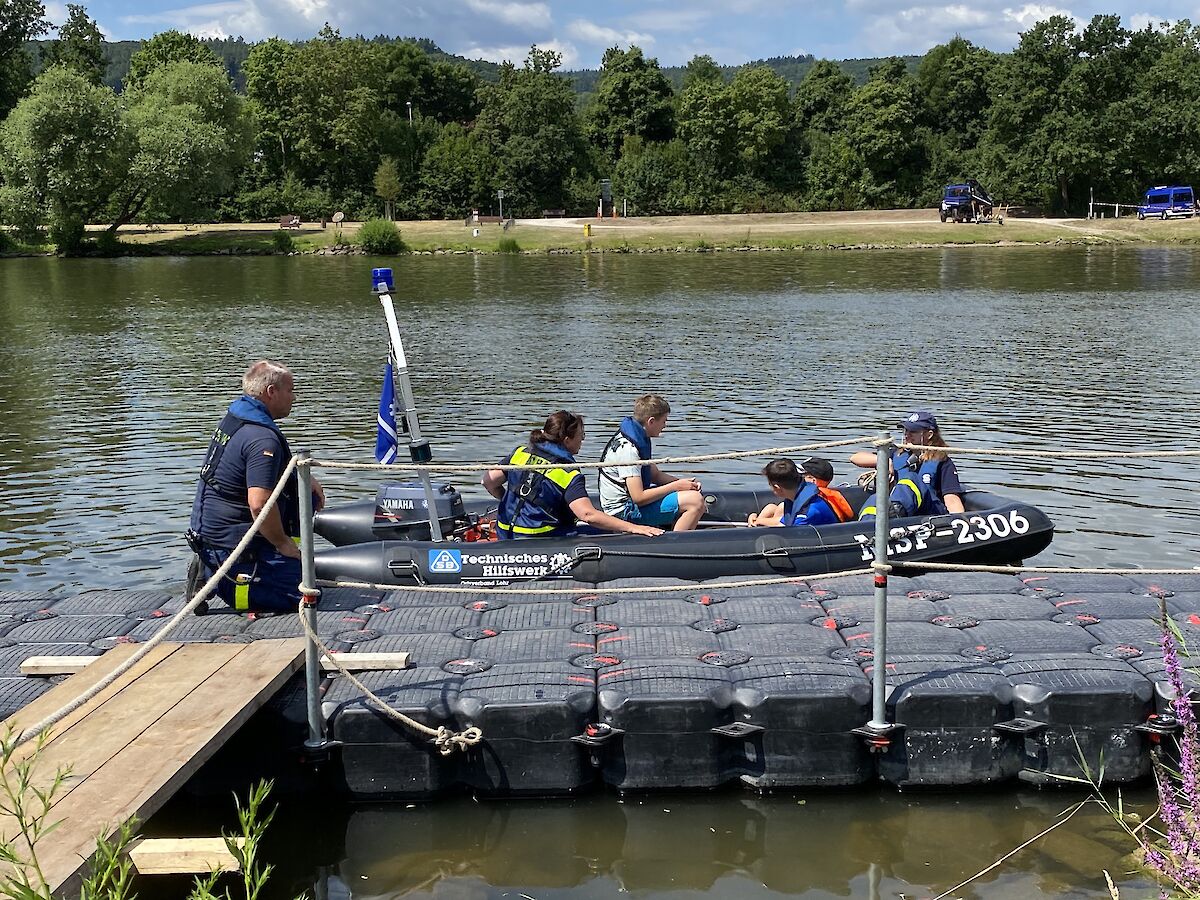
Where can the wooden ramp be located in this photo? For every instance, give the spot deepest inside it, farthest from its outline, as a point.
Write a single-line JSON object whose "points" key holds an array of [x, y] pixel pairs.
{"points": [[139, 740]]}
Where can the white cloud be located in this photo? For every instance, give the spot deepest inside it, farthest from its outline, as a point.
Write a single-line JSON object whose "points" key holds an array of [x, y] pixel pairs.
{"points": [[523, 15], [591, 33], [517, 54]]}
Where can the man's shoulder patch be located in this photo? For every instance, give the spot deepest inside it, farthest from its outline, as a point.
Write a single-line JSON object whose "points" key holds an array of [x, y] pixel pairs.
{"points": [[268, 453]]}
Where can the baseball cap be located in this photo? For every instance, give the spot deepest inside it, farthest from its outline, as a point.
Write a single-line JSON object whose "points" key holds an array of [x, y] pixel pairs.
{"points": [[821, 469], [919, 421]]}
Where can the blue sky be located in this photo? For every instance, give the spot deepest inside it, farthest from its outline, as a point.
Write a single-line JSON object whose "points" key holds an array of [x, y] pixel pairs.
{"points": [[731, 31]]}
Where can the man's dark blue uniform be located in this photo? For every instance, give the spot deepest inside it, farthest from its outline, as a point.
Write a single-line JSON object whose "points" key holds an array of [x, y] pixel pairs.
{"points": [[245, 457]]}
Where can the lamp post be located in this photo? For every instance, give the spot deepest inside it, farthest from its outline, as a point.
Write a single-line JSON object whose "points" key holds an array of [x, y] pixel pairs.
{"points": [[408, 103], [500, 197]]}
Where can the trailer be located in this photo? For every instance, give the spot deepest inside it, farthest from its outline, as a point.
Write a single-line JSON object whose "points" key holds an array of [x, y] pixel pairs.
{"points": [[970, 202]]}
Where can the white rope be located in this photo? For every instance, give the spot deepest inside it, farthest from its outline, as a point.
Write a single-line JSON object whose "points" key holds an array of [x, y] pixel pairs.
{"points": [[1053, 570], [584, 590], [464, 468], [159, 636], [444, 739], [666, 460], [1056, 454]]}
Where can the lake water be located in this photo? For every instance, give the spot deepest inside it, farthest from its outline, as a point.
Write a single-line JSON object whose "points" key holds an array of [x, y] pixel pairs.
{"points": [[114, 372]]}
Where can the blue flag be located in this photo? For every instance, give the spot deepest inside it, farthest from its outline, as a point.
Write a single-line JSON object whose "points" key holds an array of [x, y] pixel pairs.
{"points": [[385, 442]]}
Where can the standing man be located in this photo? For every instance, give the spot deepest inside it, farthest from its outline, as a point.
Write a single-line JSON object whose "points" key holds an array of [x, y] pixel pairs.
{"points": [[245, 457]]}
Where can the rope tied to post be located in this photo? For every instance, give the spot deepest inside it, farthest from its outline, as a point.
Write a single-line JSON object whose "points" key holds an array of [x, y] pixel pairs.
{"points": [[444, 739]]}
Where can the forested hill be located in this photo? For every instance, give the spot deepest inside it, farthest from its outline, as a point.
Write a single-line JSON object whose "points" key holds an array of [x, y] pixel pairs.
{"points": [[791, 69], [235, 50]]}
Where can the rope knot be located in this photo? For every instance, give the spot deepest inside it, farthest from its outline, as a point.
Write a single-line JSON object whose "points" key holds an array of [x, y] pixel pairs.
{"points": [[448, 741]]}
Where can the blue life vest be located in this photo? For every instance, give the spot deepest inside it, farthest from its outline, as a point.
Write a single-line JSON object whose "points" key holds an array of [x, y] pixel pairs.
{"points": [[217, 489], [535, 503], [633, 430], [796, 509]]}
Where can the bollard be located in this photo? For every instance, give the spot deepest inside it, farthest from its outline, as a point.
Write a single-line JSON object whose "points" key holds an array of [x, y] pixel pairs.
{"points": [[587, 229], [308, 577], [883, 480]]}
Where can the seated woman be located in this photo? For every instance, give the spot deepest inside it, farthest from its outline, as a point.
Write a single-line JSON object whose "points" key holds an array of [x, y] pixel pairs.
{"points": [[548, 502], [929, 477]]}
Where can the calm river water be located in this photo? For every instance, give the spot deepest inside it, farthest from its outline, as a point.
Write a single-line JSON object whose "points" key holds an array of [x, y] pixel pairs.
{"points": [[114, 372]]}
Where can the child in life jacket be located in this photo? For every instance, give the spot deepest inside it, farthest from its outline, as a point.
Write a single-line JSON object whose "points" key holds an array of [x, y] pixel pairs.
{"points": [[805, 495]]}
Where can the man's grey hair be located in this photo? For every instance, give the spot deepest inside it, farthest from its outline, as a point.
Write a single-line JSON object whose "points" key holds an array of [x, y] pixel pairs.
{"points": [[262, 375]]}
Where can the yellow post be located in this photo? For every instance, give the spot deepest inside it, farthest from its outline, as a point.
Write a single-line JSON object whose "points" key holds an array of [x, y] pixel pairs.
{"points": [[587, 229]]}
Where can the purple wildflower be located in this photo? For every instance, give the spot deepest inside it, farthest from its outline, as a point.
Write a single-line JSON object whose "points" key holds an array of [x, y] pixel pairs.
{"points": [[1189, 746]]}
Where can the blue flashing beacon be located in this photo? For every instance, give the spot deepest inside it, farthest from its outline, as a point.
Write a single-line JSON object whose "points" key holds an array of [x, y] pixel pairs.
{"points": [[381, 281]]}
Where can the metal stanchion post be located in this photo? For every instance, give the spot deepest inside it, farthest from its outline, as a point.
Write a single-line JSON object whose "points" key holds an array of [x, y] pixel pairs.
{"points": [[883, 478], [877, 732], [310, 597]]}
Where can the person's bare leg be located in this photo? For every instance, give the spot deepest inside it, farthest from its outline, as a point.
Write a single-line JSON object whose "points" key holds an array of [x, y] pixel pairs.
{"points": [[691, 508]]}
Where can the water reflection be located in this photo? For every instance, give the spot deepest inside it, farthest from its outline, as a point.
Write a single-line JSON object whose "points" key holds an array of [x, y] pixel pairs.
{"points": [[854, 845]]}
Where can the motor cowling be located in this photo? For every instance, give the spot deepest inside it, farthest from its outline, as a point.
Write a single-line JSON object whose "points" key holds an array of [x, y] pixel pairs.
{"points": [[402, 511]]}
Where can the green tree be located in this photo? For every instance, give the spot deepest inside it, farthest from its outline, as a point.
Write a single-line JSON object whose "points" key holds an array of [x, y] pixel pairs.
{"points": [[528, 124], [20, 21], [456, 174], [633, 98], [80, 46], [64, 149], [189, 140], [272, 91], [822, 96], [881, 119], [387, 184], [169, 47]]}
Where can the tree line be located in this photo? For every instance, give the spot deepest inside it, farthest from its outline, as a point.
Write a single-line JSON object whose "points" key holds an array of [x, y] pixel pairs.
{"points": [[362, 125]]}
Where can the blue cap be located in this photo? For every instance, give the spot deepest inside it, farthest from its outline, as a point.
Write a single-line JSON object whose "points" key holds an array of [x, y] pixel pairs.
{"points": [[921, 420], [381, 281]]}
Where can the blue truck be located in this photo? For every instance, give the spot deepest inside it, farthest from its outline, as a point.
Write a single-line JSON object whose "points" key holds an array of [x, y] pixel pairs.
{"points": [[966, 202], [1168, 201]]}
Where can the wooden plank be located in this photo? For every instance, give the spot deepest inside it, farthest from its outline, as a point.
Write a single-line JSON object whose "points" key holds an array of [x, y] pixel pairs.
{"points": [[44, 666], [165, 755], [62, 694], [109, 724], [183, 856], [367, 662]]}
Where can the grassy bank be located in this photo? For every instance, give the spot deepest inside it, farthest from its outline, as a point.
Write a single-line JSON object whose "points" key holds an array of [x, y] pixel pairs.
{"points": [[784, 231]]}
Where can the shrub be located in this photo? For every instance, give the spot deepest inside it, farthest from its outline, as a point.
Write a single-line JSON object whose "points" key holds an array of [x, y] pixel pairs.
{"points": [[282, 242], [108, 244], [66, 234], [379, 237], [6, 242], [508, 245]]}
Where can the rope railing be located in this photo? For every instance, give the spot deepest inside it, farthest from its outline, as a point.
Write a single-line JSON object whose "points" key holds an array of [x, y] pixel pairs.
{"points": [[583, 590], [159, 636], [1015, 452], [584, 464]]}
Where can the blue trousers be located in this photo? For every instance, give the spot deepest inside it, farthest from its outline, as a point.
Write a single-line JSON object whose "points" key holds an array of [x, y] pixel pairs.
{"points": [[268, 582]]}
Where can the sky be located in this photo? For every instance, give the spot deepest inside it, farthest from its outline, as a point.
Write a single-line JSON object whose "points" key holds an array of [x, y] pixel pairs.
{"points": [[731, 31]]}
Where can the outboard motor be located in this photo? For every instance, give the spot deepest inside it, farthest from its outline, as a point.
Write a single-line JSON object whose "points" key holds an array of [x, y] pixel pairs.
{"points": [[399, 512], [402, 513]]}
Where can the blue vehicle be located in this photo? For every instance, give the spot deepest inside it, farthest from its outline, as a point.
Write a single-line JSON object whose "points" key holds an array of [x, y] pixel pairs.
{"points": [[966, 202], [1168, 201]]}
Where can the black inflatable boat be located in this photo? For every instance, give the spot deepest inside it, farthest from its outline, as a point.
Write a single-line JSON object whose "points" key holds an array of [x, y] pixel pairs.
{"points": [[384, 542]]}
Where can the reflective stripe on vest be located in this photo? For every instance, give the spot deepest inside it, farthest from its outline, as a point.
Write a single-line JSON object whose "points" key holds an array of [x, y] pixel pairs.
{"points": [[533, 499], [914, 490]]}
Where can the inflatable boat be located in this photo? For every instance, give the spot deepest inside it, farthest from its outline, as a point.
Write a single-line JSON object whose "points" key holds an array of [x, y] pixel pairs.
{"points": [[386, 541]]}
